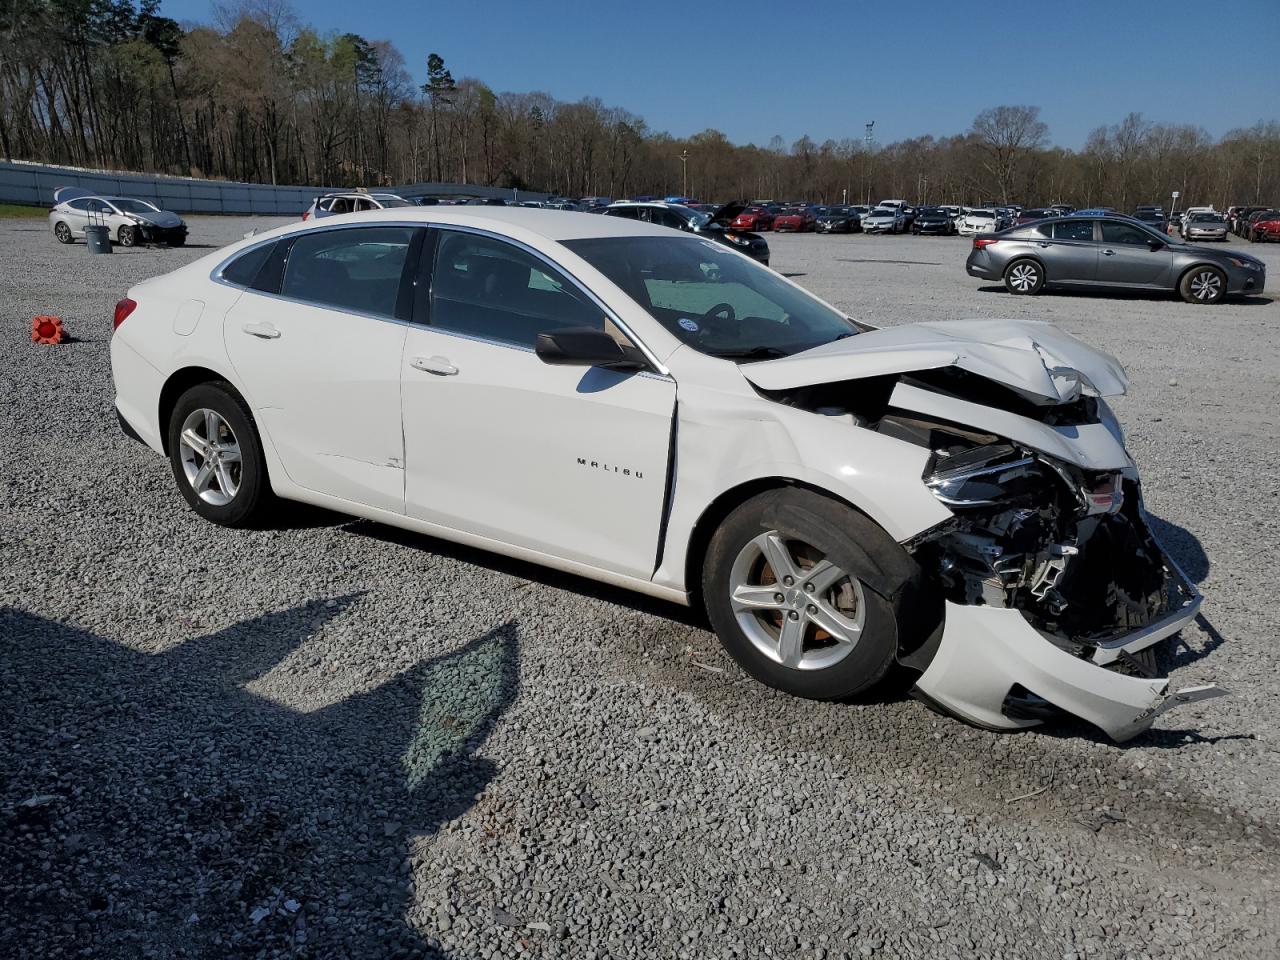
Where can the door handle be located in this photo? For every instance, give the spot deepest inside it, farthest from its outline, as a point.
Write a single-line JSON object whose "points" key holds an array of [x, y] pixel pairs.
{"points": [[1044, 243], [1108, 253], [440, 366], [266, 331]]}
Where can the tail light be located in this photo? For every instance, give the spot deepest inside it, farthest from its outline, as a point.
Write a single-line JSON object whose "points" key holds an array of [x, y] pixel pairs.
{"points": [[980, 242], [123, 309], [306, 214]]}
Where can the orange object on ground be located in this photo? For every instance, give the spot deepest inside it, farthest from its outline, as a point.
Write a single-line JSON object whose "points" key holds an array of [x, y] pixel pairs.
{"points": [[47, 330]]}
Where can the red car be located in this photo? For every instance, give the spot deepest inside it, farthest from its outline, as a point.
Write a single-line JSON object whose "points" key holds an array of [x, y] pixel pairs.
{"points": [[753, 218], [1266, 227], [796, 219]]}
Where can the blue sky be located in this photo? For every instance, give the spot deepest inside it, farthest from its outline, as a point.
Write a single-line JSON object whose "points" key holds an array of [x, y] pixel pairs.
{"points": [[753, 69]]}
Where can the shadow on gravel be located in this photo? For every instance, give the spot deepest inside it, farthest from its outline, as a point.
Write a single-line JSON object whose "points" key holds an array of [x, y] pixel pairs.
{"points": [[531, 571], [154, 806], [1183, 546], [1159, 296]]}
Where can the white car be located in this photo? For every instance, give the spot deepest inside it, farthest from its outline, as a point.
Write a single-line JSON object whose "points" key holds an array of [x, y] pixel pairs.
{"points": [[977, 220], [335, 204], [657, 411], [884, 220], [129, 221]]}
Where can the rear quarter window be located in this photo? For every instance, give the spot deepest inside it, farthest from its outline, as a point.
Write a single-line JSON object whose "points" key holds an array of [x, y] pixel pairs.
{"points": [[245, 269]]}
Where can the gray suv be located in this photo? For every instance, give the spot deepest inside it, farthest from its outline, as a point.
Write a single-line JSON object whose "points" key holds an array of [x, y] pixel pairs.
{"points": [[1117, 252]]}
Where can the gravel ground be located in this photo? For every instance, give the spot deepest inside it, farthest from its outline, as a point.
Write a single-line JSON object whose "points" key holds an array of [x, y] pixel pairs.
{"points": [[331, 739]]}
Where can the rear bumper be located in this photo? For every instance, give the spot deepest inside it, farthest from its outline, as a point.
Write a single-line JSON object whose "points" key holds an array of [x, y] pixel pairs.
{"points": [[988, 653], [982, 270]]}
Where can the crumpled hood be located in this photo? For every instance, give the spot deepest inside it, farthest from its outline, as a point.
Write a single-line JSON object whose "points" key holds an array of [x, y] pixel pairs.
{"points": [[162, 218], [1032, 357]]}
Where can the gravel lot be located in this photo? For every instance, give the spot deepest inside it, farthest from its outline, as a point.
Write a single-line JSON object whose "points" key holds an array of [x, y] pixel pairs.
{"points": [[332, 739]]}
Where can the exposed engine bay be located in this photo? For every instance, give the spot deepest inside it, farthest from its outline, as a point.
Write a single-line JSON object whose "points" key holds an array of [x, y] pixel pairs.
{"points": [[1066, 546]]}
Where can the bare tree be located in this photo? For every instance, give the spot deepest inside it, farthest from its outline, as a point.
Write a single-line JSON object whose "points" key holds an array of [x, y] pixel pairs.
{"points": [[1007, 135]]}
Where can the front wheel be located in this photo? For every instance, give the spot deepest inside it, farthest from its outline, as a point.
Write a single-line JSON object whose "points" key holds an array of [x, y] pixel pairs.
{"points": [[128, 236], [1024, 277], [807, 594], [1203, 285], [217, 457]]}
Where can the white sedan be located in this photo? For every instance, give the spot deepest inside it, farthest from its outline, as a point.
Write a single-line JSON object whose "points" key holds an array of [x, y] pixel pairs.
{"points": [[657, 411], [884, 220]]}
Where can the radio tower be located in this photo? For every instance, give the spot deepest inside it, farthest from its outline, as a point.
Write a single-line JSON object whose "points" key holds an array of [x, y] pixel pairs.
{"points": [[869, 137]]}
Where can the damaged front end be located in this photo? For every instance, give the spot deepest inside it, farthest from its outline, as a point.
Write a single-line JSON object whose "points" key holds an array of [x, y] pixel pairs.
{"points": [[1055, 587]]}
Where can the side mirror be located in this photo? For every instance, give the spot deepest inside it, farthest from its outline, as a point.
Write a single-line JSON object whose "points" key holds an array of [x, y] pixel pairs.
{"points": [[586, 347], [1155, 244]]}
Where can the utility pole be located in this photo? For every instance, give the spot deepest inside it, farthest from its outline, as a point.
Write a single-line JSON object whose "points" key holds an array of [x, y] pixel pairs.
{"points": [[868, 140], [684, 170]]}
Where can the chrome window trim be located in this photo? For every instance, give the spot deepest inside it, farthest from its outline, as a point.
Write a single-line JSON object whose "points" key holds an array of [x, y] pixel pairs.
{"points": [[216, 276]]}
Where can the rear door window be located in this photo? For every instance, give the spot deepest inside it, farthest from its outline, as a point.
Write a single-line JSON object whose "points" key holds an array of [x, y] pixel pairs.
{"points": [[1078, 230], [356, 270]]}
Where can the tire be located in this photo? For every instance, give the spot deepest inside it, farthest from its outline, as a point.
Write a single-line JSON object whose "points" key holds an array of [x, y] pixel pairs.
{"points": [[1024, 277], [247, 493], [871, 583], [1203, 284], [62, 232], [128, 237]]}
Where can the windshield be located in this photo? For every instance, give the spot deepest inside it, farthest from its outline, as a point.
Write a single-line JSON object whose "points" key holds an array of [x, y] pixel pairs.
{"points": [[835, 212], [713, 299], [1205, 218], [933, 212], [981, 215], [133, 206], [390, 201]]}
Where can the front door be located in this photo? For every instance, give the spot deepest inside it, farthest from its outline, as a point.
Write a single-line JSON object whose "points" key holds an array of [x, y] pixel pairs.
{"points": [[320, 360], [567, 461], [1126, 257]]}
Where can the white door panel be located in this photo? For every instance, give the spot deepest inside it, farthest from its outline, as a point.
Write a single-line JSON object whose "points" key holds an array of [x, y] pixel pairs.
{"points": [[325, 385], [570, 461]]}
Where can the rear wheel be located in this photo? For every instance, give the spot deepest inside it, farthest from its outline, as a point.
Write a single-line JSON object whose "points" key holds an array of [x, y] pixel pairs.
{"points": [[217, 457], [1024, 277], [793, 584], [63, 233], [1203, 284]]}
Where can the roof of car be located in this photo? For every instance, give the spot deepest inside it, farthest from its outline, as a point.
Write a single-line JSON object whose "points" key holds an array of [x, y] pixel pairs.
{"points": [[518, 222]]}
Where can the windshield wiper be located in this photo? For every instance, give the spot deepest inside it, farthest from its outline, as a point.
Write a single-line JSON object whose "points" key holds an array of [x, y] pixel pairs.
{"points": [[752, 353]]}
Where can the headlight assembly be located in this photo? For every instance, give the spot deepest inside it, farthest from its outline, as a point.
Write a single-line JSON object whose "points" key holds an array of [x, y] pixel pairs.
{"points": [[1244, 264]]}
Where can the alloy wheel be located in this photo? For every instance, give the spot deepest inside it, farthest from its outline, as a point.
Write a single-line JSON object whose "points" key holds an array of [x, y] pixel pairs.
{"points": [[1024, 277], [1206, 285], [211, 458], [795, 605], [63, 233]]}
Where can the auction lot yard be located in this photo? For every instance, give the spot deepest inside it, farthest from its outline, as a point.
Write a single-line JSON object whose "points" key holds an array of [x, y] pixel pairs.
{"points": [[332, 739]]}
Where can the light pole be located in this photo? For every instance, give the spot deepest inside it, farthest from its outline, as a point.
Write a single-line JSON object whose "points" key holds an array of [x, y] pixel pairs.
{"points": [[924, 196], [684, 170]]}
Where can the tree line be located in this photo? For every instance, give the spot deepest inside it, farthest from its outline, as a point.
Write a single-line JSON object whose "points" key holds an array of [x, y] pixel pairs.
{"points": [[259, 96]]}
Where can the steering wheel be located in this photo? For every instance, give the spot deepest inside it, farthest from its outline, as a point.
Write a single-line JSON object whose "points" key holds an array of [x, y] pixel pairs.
{"points": [[721, 308]]}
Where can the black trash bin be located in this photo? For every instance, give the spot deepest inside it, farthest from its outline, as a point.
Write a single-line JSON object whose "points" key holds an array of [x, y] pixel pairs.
{"points": [[98, 239]]}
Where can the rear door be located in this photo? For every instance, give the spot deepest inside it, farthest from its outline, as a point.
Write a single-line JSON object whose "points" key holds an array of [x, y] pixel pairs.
{"points": [[568, 461], [1126, 257], [319, 356], [1071, 255], [77, 215]]}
